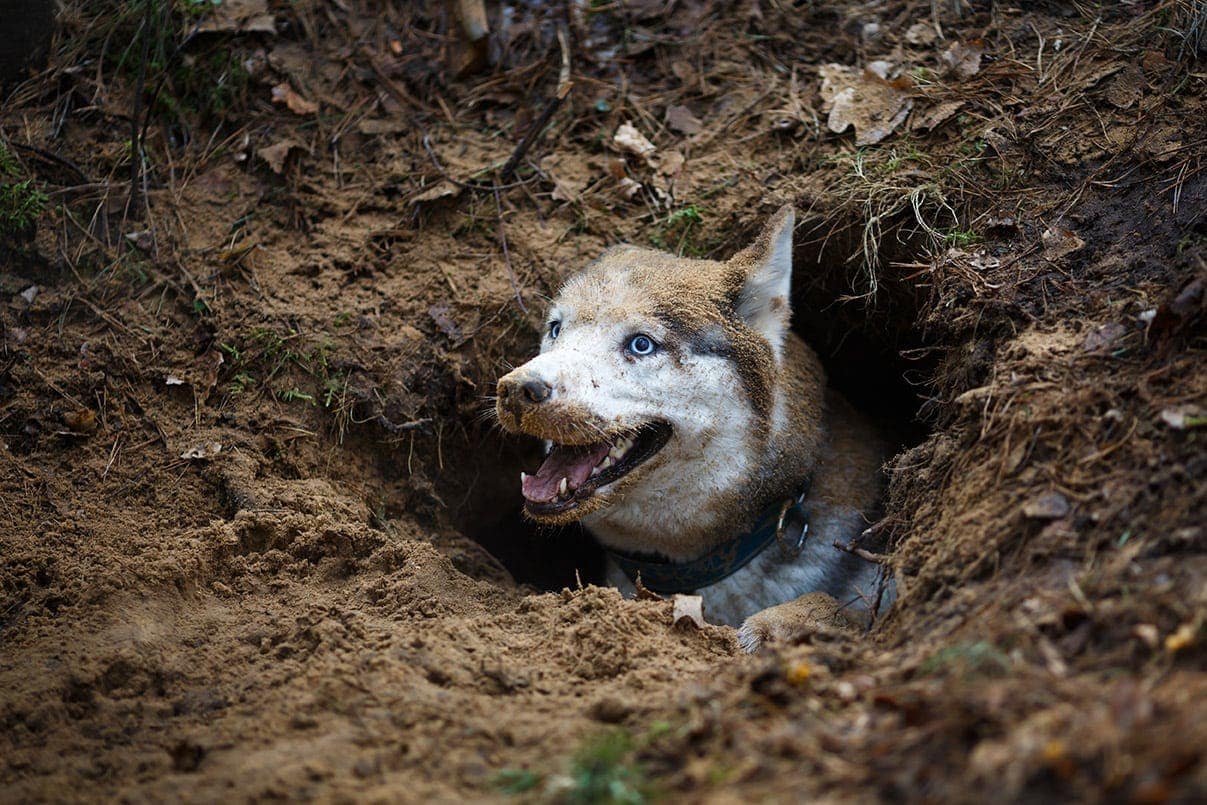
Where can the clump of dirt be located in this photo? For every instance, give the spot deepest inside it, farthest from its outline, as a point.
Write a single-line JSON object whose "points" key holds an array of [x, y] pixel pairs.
{"points": [[260, 538]]}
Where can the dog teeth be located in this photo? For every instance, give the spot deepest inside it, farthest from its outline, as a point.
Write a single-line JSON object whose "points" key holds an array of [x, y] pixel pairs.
{"points": [[563, 488], [608, 461], [523, 477]]}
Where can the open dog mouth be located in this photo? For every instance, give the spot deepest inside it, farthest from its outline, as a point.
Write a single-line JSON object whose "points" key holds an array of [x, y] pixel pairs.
{"points": [[571, 474]]}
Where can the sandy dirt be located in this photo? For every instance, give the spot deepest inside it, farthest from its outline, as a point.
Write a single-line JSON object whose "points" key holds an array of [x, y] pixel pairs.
{"points": [[259, 538]]}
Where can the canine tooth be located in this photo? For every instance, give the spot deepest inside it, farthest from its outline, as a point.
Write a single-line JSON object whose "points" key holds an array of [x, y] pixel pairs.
{"points": [[563, 487], [607, 462], [523, 477]]}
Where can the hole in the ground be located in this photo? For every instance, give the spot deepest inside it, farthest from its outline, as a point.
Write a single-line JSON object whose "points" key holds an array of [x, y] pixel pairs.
{"points": [[869, 344], [859, 341]]}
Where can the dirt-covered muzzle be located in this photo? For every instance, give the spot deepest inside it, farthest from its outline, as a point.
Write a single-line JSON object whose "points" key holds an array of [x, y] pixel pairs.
{"points": [[570, 482]]}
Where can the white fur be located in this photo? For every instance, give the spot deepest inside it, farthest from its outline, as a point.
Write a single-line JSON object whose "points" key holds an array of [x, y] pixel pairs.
{"points": [[709, 450]]}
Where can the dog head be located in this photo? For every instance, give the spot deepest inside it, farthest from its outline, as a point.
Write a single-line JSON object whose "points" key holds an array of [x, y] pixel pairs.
{"points": [[656, 378]]}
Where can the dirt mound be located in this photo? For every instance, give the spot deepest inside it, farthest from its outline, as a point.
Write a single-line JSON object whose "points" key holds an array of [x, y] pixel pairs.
{"points": [[263, 263]]}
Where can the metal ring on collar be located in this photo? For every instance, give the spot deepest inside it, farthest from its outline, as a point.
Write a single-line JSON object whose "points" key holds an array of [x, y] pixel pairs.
{"points": [[787, 546]]}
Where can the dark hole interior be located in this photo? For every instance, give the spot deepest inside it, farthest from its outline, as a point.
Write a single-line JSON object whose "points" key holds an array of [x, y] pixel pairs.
{"points": [[861, 347]]}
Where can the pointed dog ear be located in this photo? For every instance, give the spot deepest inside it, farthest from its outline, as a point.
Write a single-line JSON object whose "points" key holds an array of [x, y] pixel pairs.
{"points": [[766, 266]]}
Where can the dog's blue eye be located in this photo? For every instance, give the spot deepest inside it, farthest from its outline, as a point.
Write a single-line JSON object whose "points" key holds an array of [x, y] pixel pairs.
{"points": [[555, 329], [641, 345]]}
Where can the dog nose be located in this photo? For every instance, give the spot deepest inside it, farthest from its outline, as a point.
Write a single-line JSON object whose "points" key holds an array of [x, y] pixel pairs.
{"points": [[536, 390], [522, 389]]}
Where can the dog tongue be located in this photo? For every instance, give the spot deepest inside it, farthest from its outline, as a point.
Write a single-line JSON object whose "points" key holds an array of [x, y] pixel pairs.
{"points": [[563, 461]]}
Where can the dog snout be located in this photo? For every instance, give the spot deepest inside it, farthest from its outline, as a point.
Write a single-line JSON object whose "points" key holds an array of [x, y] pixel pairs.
{"points": [[536, 390], [521, 390]]}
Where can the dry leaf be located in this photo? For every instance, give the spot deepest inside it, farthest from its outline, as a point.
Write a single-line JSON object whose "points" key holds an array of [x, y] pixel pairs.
{"points": [[1103, 338], [440, 315], [936, 116], [863, 99], [920, 33], [202, 451], [283, 93], [1059, 242], [211, 377], [571, 176], [239, 16], [1164, 141], [669, 163], [29, 294], [1183, 637], [374, 127], [631, 141], [681, 119], [1147, 633], [880, 67], [964, 58], [1126, 88], [629, 187], [1170, 317], [276, 154], [1051, 506], [143, 240], [82, 421], [690, 608], [442, 189]]}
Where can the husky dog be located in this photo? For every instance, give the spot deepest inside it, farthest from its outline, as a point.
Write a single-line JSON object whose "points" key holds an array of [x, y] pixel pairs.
{"points": [[694, 436]]}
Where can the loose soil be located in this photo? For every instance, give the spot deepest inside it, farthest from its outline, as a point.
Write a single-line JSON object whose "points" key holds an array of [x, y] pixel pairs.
{"points": [[258, 536]]}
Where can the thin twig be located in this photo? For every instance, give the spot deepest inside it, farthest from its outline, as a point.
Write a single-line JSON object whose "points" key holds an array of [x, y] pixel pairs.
{"points": [[564, 85], [866, 555], [493, 186], [53, 157]]}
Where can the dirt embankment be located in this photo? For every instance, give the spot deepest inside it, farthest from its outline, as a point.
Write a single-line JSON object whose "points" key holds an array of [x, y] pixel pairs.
{"points": [[257, 537]]}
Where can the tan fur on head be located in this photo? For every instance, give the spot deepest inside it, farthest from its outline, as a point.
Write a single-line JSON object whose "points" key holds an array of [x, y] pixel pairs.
{"points": [[728, 377]]}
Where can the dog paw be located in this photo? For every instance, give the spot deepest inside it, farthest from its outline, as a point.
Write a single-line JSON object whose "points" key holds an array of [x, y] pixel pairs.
{"points": [[752, 634], [813, 613]]}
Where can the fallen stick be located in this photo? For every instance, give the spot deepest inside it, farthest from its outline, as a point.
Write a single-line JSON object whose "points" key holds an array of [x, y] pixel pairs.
{"points": [[867, 556], [564, 84]]}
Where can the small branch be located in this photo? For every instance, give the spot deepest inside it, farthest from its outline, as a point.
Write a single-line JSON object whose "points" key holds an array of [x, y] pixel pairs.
{"points": [[866, 555], [56, 158], [476, 186], [414, 424], [564, 85]]}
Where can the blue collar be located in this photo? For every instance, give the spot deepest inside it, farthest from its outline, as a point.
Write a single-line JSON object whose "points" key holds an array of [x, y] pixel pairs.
{"points": [[785, 522]]}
